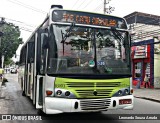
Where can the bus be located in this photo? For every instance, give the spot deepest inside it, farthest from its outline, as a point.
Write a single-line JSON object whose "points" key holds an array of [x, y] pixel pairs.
{"points": [[77, 61]]}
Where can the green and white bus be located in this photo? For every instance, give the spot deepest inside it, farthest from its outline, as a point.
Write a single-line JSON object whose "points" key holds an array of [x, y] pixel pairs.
{"points": [[77, 62]]}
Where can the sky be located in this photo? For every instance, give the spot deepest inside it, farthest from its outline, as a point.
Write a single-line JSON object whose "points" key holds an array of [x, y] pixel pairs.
{"points": [[28, 14]]}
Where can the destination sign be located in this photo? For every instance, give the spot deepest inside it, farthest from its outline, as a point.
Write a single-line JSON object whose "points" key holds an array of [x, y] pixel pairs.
{"points": [[88, 18]]}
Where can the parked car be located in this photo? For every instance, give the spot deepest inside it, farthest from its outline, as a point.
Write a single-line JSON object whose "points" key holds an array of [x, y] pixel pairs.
{"points": [[13, 70]]}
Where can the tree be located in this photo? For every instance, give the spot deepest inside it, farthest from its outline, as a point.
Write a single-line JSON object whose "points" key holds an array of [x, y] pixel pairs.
{"points": [[9, 41]]}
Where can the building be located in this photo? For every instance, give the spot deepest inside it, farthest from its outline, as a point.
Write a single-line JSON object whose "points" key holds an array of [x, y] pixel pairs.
{"points": [[145, 30]]}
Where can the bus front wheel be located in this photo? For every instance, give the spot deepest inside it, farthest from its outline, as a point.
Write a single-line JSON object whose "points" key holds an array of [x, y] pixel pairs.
{"points": [[41, 113]]}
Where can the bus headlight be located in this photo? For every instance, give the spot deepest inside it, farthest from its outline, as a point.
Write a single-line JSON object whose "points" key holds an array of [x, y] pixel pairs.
{"points": [[67, 93], [126, 91], [120, 92], [63, 93], [59, 92]]}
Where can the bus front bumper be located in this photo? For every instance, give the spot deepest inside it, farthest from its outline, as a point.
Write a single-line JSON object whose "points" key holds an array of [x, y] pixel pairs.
{"points": [[60, 105]]}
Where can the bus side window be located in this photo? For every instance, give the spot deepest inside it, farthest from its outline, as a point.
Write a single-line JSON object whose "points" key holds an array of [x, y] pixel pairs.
{"points": [[52, 51], [23, 56], [31, 50], [44, 46]]}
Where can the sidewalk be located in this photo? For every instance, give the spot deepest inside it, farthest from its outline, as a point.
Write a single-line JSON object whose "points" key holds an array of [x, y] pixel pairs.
{"points": [[149, 94], [0, 84]]}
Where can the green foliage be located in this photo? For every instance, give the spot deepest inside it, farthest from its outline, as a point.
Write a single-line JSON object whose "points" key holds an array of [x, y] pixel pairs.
{"points": [[9, 41], [8, 61]]}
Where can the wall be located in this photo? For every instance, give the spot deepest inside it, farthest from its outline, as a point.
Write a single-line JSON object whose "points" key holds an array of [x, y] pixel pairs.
{"points": [[156, 70]]}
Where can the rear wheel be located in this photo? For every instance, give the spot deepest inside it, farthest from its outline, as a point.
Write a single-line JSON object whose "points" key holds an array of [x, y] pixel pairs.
{"points": [[23, 93]]}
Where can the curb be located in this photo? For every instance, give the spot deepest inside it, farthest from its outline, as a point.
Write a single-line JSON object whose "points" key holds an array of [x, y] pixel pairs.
{"points": [[151, 99]]}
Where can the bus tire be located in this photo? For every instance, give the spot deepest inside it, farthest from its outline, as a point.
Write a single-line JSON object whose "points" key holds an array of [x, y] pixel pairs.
{"points": [[41, 113], [23, 93]]}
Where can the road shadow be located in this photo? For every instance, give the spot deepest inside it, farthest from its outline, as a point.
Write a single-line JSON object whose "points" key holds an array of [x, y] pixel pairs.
{"points": [[82, 117]]}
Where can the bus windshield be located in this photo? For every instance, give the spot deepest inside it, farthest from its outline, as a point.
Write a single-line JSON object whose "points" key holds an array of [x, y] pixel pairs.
{"points": [[89, 50]]}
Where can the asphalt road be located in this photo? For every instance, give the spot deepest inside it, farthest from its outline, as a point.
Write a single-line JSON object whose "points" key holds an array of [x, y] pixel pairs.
{"points": [[11, 102]]}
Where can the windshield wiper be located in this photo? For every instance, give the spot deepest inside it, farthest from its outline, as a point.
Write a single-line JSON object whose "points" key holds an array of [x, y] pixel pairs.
{"points": [[64, 37], [117, 34]]}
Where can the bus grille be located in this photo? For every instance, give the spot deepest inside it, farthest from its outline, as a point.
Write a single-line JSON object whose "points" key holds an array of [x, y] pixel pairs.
{"points": [[95, 104], [91, 93], [92, 84], [93, 89]]}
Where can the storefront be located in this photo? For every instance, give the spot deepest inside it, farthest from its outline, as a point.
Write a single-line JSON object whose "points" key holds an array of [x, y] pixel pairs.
{"points": [[143, 63]]}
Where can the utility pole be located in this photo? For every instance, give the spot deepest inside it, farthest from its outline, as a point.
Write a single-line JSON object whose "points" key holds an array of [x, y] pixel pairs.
{"points": [[108, 9], [104, 10], [1, 34]]}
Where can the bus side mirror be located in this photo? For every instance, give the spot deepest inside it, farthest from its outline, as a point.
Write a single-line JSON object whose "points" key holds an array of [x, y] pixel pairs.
{"points": [[130, 39]]}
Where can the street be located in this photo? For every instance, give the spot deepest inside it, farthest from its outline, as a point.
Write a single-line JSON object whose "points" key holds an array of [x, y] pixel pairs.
{"points": [[12, 102]]}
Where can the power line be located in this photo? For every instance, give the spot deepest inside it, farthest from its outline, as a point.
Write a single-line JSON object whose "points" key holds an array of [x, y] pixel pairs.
{"points": [[22, 28], [101, 7], [98, 7], [27, 6], [75, 4], [30, 7], [81, 4], [19, 22], [87, 4]]}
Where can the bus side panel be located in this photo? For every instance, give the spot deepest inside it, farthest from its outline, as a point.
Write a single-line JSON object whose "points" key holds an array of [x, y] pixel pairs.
{"points": [[40, 58], [39, 92], [21, 77], [28, 80], [35, 71], [32, 81], [26, 73]]}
